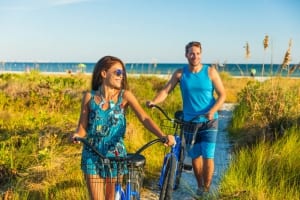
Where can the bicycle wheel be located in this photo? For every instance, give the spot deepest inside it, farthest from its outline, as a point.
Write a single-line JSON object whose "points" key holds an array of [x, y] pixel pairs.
{"points": [[179, 167], [169, 176]]}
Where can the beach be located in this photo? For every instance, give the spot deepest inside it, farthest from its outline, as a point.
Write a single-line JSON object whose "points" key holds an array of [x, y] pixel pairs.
{"points": [[234, 69], [163, 76]]}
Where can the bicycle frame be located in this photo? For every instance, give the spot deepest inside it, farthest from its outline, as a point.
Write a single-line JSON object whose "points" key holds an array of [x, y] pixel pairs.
{"points": [[120, 194]]}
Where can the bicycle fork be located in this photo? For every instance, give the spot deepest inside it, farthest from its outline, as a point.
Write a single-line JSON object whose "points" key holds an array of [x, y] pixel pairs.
{"points": [[128, 194], [119, 194]]}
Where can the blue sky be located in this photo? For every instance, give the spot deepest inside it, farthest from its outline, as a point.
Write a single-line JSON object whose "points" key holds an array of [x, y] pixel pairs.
{"points": [[148, 30]]}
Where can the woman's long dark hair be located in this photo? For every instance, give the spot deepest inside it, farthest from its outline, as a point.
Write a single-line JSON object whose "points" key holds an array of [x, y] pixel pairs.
{"points": [[105, 64]]}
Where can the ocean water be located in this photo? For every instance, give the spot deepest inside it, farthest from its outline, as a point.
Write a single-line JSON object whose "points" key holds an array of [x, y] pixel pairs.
{"points": [[148, 68]]}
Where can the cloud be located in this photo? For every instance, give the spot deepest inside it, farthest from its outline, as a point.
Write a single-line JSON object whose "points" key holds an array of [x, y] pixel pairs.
{"points": [[30, 5], [67, 2], [15, 8]]}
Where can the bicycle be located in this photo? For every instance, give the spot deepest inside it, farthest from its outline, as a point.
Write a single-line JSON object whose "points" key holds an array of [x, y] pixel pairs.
{"points": [[132, 160], [173, 164]]}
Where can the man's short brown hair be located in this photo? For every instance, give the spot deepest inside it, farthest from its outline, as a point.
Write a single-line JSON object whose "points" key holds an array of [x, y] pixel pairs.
{"points": [[192, 44]]}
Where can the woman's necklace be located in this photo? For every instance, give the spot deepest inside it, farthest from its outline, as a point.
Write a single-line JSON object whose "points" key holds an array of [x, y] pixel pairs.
{"points": [[111, 103]]}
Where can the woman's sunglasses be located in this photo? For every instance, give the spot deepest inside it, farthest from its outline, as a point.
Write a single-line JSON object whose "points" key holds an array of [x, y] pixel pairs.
{"points": [[119, 72]]}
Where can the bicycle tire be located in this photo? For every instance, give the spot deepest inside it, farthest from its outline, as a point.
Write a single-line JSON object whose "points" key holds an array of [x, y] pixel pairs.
{"points": [[169, 176], [179, 167]]}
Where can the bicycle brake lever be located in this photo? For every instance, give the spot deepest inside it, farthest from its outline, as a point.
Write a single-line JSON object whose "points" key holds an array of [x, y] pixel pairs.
{"points": [[174, 143]]}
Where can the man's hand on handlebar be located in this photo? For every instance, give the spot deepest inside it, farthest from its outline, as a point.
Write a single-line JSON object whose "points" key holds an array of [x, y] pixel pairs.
{"points": [[170, 140], [149, 104]]}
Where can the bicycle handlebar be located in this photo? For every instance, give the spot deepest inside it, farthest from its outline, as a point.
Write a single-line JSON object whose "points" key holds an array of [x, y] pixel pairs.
{"points": [[163, 112], [175, 120], [117, 158]]}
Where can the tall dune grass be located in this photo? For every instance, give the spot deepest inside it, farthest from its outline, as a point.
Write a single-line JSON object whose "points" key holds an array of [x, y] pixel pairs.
{"points": [[265, 127], [267, 171], [266, 110], [38, 113]]}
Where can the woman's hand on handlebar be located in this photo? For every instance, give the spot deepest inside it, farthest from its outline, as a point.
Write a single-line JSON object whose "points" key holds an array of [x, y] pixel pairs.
{"points": [[72, 138]]}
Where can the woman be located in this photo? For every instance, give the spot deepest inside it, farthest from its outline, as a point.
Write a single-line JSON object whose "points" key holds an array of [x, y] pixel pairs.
{"points": [[102, 121]]}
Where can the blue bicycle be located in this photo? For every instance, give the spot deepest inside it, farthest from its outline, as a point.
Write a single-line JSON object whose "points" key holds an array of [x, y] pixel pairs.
{"points": [[173, 165], [133, 161]]}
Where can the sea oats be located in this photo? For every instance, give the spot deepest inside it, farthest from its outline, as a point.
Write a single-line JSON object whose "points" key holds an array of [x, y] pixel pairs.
{"points": [[287, 57], [292, 69], [266, 45], [247, 51], [266, 42]]}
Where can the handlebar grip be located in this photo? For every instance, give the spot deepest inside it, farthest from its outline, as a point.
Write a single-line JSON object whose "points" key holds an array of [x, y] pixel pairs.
{"points": [[151, 105], [164, 140]]}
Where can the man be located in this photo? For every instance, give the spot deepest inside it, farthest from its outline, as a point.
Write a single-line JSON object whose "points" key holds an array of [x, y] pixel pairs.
{"points": [[198, 83]]}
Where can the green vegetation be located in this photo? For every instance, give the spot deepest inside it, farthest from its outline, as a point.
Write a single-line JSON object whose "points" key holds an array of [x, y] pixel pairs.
{"points": [[266, 110], [265, 171], [39, 112], [265, 128], [37, 115]]}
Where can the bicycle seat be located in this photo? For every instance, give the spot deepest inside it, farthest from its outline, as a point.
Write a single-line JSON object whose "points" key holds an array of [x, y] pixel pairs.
{"points": [[178, 115], [138, 160]]}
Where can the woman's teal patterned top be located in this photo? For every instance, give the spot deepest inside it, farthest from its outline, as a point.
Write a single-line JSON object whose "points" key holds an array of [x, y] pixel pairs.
{"points": [[105, 131]]}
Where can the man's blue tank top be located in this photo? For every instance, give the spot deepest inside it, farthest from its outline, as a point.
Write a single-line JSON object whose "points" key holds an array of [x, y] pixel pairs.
{"points": [[197, 92]]}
